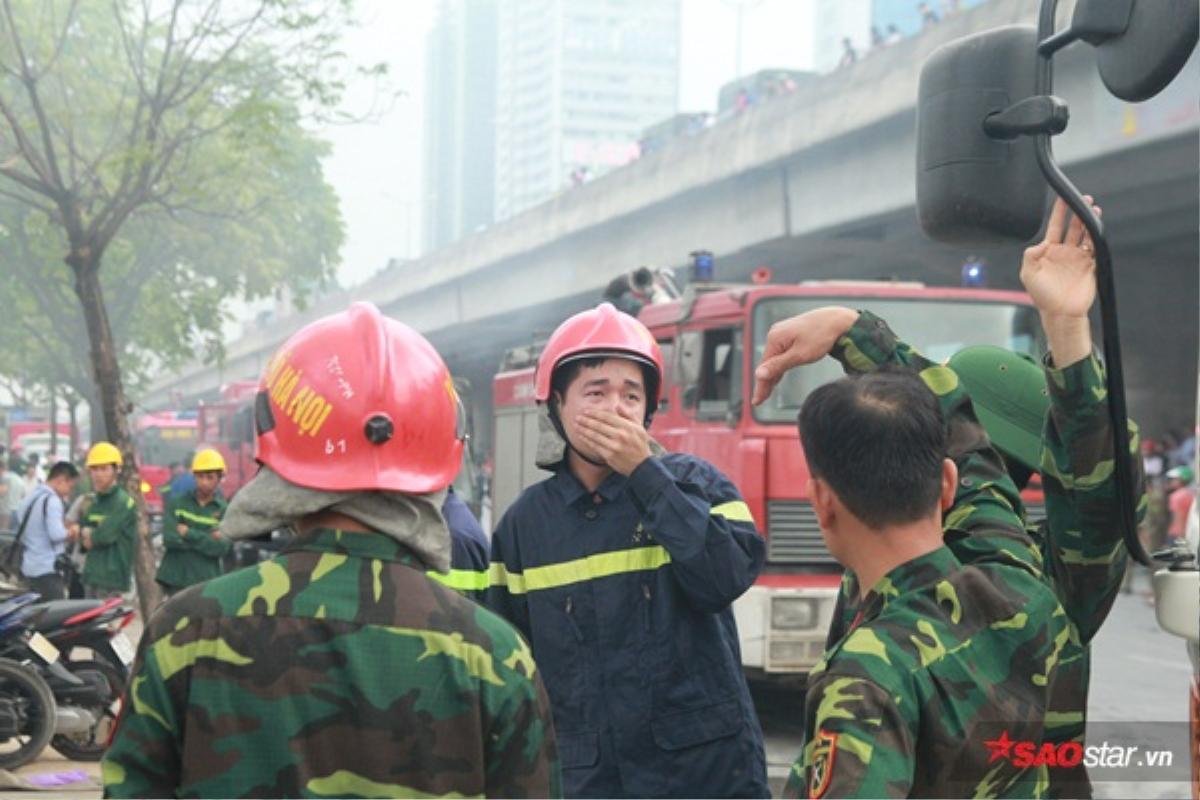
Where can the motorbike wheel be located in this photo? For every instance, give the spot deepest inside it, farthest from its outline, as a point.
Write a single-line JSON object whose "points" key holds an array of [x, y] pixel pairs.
{"points": [[33, 702], [90, 745]]}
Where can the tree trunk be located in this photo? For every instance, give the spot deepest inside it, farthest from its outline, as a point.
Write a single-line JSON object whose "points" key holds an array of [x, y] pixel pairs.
{"points": [[73, 421], [95, 418], [53, 427], [114, 408]]}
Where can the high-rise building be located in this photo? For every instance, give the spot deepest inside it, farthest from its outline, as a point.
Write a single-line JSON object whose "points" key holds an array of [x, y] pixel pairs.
{"points": [[460, 120], [577, 82]]}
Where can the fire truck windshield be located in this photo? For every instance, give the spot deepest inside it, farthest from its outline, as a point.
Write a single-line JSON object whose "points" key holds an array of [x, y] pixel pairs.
{"points": [[937, 328], [165, 446]]}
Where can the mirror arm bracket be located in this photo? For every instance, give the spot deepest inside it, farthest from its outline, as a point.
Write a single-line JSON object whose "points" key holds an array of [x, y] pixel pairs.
{"points": [[1105, 287], [1038, 114]]}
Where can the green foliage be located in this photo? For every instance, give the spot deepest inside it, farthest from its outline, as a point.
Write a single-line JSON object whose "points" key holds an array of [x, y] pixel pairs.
{"points": [[172, 147]]}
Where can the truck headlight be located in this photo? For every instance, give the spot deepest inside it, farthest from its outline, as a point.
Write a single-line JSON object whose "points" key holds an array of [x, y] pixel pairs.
{"points": [[793, 613]]}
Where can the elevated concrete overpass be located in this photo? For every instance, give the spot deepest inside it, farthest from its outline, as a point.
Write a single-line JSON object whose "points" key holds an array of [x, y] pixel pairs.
{"points": [[816, 184]]}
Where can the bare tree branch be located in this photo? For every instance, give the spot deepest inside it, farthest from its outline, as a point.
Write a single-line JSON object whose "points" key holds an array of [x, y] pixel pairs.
{"points": [[27, 150], [26, 200], [29, 79]]}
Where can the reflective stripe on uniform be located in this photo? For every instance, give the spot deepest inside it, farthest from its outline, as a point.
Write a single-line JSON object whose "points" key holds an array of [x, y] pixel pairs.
{"points": [[601, 565], [734, 511], [197, 518], [463, 580]]}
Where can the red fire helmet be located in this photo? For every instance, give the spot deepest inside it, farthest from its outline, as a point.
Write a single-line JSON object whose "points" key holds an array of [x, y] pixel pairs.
{"points": [[358, 401], [600, 331]]}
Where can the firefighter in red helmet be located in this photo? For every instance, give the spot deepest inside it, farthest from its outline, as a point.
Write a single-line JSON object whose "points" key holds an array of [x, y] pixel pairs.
{"points": [[620, 569]]}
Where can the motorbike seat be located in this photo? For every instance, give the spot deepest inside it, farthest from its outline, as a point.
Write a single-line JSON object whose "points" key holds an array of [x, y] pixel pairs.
{"points": [[46, 616]]}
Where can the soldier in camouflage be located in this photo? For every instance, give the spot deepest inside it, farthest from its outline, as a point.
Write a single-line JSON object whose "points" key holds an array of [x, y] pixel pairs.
{"points": [[1056, 424], [1080, 543], [339, 669], [942, 655]]}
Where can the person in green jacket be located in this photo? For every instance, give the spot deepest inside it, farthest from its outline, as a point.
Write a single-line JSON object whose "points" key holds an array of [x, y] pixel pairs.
{"points": [[194, 544], [109, 526]]}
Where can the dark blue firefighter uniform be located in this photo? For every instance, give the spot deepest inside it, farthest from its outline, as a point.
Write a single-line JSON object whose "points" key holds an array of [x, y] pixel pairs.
{"points": [[468, 550], [625, 597]]}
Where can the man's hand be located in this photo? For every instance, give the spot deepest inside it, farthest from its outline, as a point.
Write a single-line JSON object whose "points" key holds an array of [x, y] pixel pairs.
{"points": [[181, 529], [73, 531], [86, 533], [1060, 275], [802, 339], [216, 533], [621, 443]]}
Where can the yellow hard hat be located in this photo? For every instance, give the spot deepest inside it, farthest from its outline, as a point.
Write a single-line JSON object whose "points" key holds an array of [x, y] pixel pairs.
{"points": [[208, 460], [104, 453]]}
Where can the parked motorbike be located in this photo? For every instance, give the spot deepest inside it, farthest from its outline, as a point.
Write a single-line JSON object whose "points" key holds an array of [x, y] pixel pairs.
{"points": [[27, 714], [93, 625], [85, 693], [27, 708]]}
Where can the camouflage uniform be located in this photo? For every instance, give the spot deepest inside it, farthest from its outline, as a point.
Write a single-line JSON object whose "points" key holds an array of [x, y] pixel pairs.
{"points": [[1085, 571], [947, 651], [334, 670]]}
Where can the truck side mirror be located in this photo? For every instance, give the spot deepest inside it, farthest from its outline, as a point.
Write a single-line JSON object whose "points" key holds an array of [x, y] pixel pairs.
{"points": [[976, 186], [1141, 45]]}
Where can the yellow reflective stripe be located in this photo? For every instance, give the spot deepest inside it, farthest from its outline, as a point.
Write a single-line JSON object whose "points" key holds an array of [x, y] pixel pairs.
{"points": [[197, 518], [498, 575], [601, 565], [734, 511], [463, 580]]}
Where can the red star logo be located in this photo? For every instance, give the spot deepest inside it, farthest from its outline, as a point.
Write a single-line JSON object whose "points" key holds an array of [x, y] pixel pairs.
{"points": [[1000, 748]]}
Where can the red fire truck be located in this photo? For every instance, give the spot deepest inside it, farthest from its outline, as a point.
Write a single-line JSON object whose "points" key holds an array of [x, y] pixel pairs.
{"points": [[228, 426], [161, 439], [711, 340]]}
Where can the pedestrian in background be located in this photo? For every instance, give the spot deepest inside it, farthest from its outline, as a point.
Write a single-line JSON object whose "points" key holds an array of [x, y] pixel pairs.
{"points": [[1180, 496], [108, 528], [43, 532], [192, 540]]}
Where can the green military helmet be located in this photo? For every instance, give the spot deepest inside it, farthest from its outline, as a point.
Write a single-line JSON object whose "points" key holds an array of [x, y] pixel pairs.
{"points": [[1010, 397]]}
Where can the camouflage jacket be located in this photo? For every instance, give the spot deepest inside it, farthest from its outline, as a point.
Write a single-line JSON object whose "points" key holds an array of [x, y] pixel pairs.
{"points": [[974, 630], [945, 658], [1080, 546], [336, 669], [1084, 550], [113, 520]]}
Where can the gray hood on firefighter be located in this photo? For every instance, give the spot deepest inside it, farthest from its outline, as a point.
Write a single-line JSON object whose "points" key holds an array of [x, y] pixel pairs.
{"points": [[268, 502], [552, 450]]}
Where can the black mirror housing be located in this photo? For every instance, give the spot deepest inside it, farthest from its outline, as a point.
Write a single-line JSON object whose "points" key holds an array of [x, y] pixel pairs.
{"points": [[1159, 39], [973, 188]]}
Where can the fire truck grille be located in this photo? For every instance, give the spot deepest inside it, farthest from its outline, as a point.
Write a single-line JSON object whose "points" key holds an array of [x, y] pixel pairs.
{"points": [[793, 536]]}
